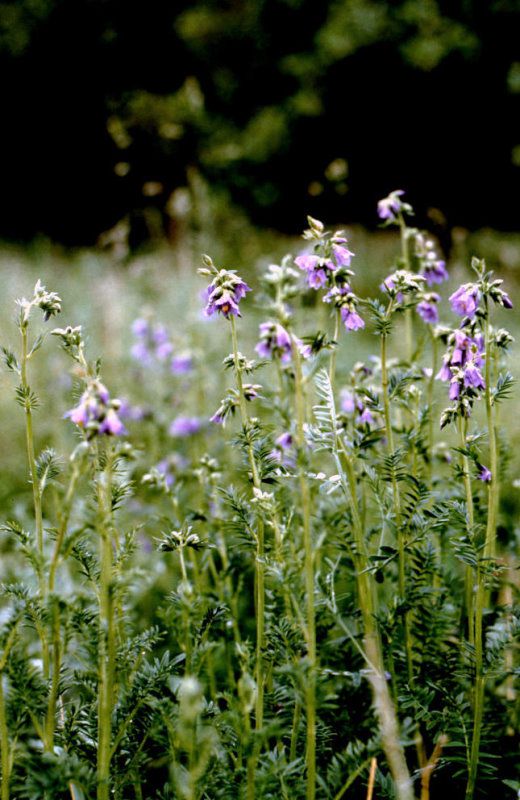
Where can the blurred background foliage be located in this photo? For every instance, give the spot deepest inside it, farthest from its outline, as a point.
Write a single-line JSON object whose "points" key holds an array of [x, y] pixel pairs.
{"points": [[130, 111]]}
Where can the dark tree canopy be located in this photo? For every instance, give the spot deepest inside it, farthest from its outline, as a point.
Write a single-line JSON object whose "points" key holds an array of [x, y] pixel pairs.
{"points": [[289, 106]]}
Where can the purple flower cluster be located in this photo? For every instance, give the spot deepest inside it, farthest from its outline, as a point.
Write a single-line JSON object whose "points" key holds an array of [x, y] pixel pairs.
{"points": [[181, 427], [390, 208], [281, 450], [427, 308], [343, 298], [332, 255], [351, 404], [431, 266], [462, 365], [224, 294], [153, 344], [96, 413], [465, 300], [277, 342]]}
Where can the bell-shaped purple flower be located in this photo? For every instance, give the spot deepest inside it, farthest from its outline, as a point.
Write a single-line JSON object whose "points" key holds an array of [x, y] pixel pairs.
{"points": [[484, 474], [351, 319], [473, 376], [465, 300]]}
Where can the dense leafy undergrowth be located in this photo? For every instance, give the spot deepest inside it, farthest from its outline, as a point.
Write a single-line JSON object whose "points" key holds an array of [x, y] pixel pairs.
{"points": [[269, 572]]}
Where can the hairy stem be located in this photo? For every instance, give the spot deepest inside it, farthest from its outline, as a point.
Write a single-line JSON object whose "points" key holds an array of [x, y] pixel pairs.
{"points": [[468, 576], [107, 644], [37, 499], [5, 749], [488, 553], [310, 750], [384, 707], [260, 554]]}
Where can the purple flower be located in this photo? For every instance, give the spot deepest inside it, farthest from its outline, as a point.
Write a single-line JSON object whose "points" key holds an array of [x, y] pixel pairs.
{"points": [[428, 311], [112, 425], [315, 268], [96, 413], [348, 402], [390, 206], [224, 294], [277, 342], [182, 364], [308, 262], [444, 374], [465, 300], [140, 327], [454, 388], [284, 441], [435, 270], [163, 350], [506, 300], [140, 352], [184, 426], [351, 319], [317, 278], [342, 255], [484, 474], [365, 417], [217, 418], [473, 376], [160, 334]]}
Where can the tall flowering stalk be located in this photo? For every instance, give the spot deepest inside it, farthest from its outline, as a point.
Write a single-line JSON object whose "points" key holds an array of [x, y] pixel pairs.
{"points": [[50, 304], [474, 347], [96, 416], [223, 296]]}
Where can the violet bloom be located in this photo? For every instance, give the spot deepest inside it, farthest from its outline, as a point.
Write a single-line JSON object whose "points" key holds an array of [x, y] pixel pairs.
{"points": [[435, 271], [280, 452], [164, 468], [315, 267], [444, 374], [224, 294], [389, 207], [140, 352], [96, 413], [284, 441], [274, 342], [342, 255], [163, 350], [365, 417], [217, 418], [347, 401], [184, 426], [473, 376], [181, 364], [112, 425], [351, 319], [465, 300], [140, 327], [484, 474], [454, 388], [427, 309]]}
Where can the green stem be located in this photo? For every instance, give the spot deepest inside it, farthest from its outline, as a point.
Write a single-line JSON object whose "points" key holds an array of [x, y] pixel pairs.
{"points": [[4, 745], [310, 751], [383, 704], [488, 553], [67, 503], [431, 387], [37, 500], [468, 576], [259, 561], [107, 644], [408, 318], [332, 364]]}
